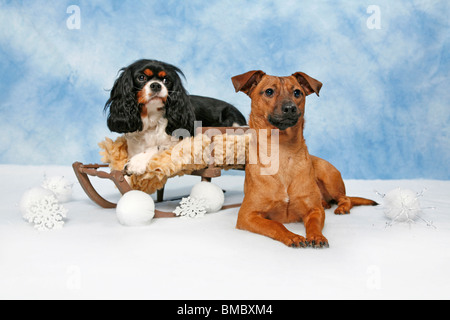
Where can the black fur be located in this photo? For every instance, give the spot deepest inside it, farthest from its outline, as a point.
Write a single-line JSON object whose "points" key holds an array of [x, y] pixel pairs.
{"points": [[216, 113], [181, 109], [124, 111]]}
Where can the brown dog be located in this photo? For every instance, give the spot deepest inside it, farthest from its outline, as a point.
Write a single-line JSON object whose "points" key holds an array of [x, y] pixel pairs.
{"points": [[303, 184]]}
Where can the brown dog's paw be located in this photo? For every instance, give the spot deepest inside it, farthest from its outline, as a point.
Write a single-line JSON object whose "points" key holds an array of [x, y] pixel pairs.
{"points": [[295, 241], [342, 209], [318, 241]]}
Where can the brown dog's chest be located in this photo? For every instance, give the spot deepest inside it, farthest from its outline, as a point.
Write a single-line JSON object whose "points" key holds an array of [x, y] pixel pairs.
{"points": [[290, 164], [280, 192]]}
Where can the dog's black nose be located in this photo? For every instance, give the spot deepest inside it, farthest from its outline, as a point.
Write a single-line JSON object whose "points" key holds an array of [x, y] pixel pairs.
{"points": [[289, 108], [155, 87]]}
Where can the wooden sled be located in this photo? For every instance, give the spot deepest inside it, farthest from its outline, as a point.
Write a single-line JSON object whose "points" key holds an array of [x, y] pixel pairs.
{"points": [[83, 171]]}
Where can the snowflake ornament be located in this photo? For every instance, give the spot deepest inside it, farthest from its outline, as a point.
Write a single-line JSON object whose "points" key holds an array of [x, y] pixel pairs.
{"points": [[40, 207], [191, 207]]}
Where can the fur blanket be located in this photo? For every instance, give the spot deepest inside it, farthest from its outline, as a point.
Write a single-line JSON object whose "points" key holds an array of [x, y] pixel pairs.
{"points": [[190, 154]]}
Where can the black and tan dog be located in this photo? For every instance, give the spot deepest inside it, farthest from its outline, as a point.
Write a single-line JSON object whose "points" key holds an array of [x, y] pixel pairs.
{"points": [[303, 184], [148, 103]]}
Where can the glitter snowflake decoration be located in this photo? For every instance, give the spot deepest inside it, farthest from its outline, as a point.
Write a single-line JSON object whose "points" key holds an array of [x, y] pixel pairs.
{"points": [[402, 205], [191, 207], [45, 213]]}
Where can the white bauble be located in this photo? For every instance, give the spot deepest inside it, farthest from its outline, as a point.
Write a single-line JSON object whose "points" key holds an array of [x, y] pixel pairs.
{"points": [[60, 186], [211, 194], [135, 208]]}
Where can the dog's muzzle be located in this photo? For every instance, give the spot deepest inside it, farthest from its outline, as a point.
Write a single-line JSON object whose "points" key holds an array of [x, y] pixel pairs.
{"points": [[156, 89], [286, 117]]}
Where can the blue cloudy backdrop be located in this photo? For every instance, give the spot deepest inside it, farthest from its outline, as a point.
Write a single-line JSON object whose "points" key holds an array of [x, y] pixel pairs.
{"points": [[383, 112]]}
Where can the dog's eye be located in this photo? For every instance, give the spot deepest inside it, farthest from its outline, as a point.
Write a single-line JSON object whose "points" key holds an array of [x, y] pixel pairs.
{"points": [[141, 78], [166, 80], [297, 93], [269, 92]]}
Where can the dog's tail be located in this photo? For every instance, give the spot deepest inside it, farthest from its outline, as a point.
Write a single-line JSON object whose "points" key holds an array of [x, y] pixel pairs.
{"points": [[357, 201]]}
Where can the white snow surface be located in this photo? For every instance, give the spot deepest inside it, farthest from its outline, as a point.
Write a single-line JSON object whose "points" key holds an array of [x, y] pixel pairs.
{"points": [[95, 257]]}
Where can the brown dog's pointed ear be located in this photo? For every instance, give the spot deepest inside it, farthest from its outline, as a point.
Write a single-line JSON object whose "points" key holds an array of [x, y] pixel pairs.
{"points": [[309, 84], [247, 81]]}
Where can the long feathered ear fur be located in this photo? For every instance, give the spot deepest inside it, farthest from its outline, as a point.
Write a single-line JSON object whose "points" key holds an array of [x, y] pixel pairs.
{"points": [[179, 110], [124, 111]]}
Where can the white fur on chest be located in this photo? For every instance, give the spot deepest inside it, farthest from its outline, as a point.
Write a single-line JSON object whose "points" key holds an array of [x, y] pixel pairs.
{"points": [[153, 134], [142, 145]]}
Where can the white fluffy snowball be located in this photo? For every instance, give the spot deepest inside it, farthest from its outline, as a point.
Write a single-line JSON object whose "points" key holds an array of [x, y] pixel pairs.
{"points": [[135, 208], [60, 186], [211, 194], [401, 205]]}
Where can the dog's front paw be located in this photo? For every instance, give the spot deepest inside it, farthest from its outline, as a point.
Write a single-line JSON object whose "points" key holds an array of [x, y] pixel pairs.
{"points": [[294, 240], [134, 168], [137, 164], [317, 241]]}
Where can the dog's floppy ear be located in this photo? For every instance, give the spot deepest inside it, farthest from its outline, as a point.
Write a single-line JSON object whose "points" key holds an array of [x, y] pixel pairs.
{"points": [[246, 82], [179, 111], [124, 111], [309, 84]]}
